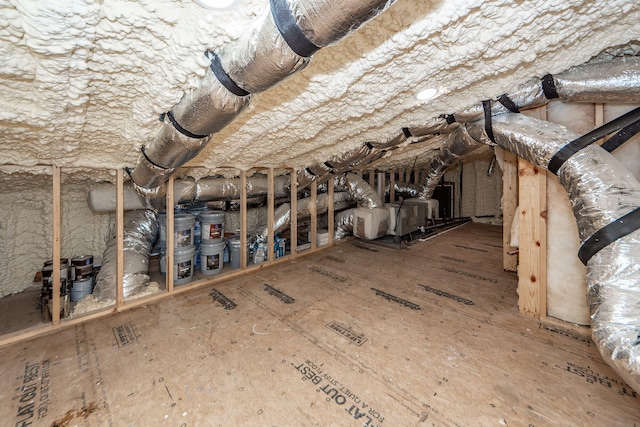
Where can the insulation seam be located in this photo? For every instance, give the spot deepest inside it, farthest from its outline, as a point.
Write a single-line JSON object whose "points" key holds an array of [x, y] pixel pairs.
{"points": [[609, 234], [223, 77], [578, 144], [288, 28]]}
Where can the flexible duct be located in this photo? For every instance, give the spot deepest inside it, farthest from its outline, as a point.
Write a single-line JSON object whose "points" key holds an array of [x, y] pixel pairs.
{"points": [[344, 223], [140, 233], [601, 191], [277, 44], [359, 190]]}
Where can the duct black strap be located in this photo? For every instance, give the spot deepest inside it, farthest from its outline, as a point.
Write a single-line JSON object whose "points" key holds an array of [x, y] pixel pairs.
{"points": [[369, 145], [151, 161], [621, 137], [508, 103], [182, 130], [578, 144], [291, 33], [488, 128], [328, 165], [223, 77], [449, 118], [406, 132], [609, 234], [549, 87]]}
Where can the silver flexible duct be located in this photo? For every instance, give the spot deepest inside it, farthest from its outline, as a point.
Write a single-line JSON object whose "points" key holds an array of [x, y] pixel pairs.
{"points": [[140, 233], [344, 224], [276, 44], [601, 191], [404, 189], [359, 190]]}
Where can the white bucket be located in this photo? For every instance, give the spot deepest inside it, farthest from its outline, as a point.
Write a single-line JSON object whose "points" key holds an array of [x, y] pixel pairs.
{"points": [[212, 225], [183, 264], [81, 288], [211, 256]]}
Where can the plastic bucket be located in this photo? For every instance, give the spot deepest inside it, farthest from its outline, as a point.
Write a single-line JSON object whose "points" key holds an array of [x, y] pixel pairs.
{"points": [[64, 269], [211, 256], [183, 264], [183, 230], [81, 268], [81, 288], [234, 251], [212, 225]]}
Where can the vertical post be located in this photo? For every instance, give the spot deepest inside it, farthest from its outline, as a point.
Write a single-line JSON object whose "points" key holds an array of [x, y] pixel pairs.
{"points": [[294, 213], [408, 176], [372, 178], [392, 186], [509, 207], [169, 227], [381, 184], [313, 209], [330, 211], [533, 240], [55, 275], [270, 215], [243, 220], [119, 238]]}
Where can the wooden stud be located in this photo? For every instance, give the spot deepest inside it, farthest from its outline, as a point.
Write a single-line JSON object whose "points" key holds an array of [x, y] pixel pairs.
{"points": [[119, 238], [408, 176], [330, 211], [372, 178], [169, 258], [293, 244], [270, 215], [313, 208], [381, 185], [55, 276], [509, 210], [243, 220], [533, 239], [392, 186]]}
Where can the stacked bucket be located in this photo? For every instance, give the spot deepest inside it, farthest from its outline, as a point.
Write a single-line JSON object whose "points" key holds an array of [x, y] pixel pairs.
{"points": [[184, 249], [76, 282]]}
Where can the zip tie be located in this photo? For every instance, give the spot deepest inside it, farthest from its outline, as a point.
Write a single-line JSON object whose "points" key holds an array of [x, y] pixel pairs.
{"points": [[609, 234], [584, 141], [508, 103], [223, 77], [549, 87], [182, 130], [289, 30], [488, 128]]}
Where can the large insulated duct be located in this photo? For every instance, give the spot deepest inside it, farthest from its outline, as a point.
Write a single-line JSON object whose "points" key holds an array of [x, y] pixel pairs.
{"points": [[140, 233], [359, 190], [277, 44], [605, 198], [597, 81]]}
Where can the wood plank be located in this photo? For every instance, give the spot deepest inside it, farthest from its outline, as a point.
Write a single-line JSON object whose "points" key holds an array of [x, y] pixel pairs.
{"points": [[270, 215], [330, 211], [119, 238], [170, 227], [313, 209], [509, 210], [56, 220], [533, 239], [372, 178], [243, 220], [293, 244]]}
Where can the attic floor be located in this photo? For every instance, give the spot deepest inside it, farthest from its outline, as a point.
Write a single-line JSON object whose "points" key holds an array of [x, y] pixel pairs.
{"points": [[355, 335]]}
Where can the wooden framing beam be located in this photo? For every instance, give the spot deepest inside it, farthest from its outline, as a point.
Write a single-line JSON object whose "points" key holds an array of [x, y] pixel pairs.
{"points": [[294, 213], [119, 238], [270, 215], [330, 211], [392, 186], [169, 258], [313, 208], [243, 220], [55, 276], [509, 210]]}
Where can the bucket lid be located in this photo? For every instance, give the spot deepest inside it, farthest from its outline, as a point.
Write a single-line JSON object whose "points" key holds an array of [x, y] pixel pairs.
{"points": [[184, 218], [211, 215]]}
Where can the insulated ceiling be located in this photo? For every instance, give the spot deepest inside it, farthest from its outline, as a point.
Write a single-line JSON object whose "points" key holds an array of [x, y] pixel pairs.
{"points": [[84, 82]]}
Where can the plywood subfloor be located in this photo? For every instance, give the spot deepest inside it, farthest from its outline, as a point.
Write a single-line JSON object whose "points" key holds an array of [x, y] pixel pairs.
{"points": [[356, 335]]}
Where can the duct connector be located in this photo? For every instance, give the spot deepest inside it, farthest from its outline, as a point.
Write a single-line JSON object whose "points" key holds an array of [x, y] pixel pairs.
{"points": [[277, 44], [605, 198], [140, 234]]}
